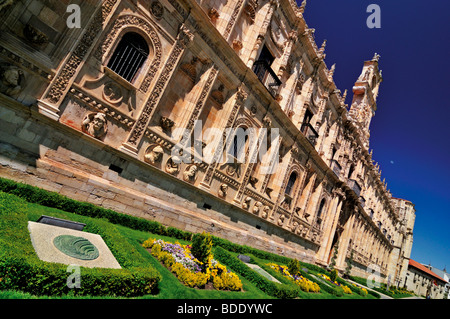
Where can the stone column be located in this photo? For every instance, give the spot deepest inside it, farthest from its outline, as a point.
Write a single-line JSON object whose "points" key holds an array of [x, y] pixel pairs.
{"points": [[232, 21], [184, 37], [292, 38], [251, 164], [344, 242], [329, 228]]}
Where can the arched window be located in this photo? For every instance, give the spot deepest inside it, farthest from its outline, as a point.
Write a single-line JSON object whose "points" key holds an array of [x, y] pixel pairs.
{"points": [[129, 56], [238, 146], [291, 183], [321, 206]]}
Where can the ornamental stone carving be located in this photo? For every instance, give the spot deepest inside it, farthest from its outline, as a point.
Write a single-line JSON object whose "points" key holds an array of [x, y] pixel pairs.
{"points": [[112, 93], [223, 189], [157, 9], [95, 124], [34, 36], [11, 80], [256, 208], [190, 174], [213, 15], [265, 212], [166, 123], [173, 165], [154, 154], [246, 203]]}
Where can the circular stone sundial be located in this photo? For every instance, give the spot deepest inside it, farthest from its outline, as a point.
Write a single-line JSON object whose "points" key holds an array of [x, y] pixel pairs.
{"points": [[76, 247]]}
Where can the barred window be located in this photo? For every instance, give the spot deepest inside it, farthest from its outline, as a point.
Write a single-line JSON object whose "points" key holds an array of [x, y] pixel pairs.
{"points": [[129, 56]]}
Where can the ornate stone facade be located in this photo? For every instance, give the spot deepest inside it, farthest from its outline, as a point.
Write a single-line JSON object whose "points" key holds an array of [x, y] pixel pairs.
{"points": [[72, 123]]}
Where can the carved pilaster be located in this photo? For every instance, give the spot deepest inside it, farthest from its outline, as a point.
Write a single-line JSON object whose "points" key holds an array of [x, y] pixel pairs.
{"points": [[262, 32], [232, 20], [185, 36], [206, 90], [292, 38], [241, 97]]}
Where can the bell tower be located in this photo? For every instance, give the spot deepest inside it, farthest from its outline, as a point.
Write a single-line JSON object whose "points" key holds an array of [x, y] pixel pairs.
{"points": [[365, 92]]}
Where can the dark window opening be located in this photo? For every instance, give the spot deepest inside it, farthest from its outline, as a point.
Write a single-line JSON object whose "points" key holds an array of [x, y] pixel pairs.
{"points": [[129, 56], [266, 56], [206, 206], [237, 149], [308, 116], [116, 168], [262, 69], [291, 183], [321, 206]]}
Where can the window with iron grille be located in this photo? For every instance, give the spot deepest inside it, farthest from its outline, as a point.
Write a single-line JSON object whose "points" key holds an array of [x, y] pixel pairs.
{"points": [[129, 56]]}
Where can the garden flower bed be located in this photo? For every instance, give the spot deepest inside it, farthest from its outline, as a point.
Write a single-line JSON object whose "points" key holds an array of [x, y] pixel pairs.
{"points": [[304, 283], [346, 289], [189, 270]]}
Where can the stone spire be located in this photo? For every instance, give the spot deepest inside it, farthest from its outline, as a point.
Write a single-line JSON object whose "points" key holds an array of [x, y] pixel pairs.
{"points": [[331, 71], [303, 6], [365, 92]]}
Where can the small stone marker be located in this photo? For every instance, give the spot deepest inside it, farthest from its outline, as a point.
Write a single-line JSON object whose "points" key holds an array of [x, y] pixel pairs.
{"points": [[244, 258], [70, 246]]}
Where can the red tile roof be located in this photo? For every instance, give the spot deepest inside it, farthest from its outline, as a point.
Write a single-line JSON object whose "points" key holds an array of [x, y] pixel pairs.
{"points": [[421, 267]]}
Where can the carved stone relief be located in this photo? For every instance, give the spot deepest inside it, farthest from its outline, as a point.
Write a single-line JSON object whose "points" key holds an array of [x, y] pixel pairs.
{"points": [[223, 189], [12, 79], [34, 36], [190, 173], [154, 154], [257, 208], [95, 124], [106, 88], [157, 9], [246, 203], [173, 165]]}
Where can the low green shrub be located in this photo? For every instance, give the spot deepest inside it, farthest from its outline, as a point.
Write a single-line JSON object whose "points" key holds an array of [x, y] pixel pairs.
{"points": [[201, 247], [39, 278], [271, 288]]}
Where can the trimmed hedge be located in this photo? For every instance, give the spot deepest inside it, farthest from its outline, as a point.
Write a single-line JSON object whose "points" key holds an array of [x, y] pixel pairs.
{"points": [[21, 269], [39, 278], [271, 288]]}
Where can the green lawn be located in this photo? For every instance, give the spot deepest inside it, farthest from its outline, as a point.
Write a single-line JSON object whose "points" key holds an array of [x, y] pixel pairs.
{"points": [[126, 244]]}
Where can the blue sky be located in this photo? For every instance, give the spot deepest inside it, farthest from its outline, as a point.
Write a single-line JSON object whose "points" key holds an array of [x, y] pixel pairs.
{"points": [[410, 130]]}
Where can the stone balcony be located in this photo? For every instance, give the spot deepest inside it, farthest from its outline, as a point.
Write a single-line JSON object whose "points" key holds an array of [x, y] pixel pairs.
{"points": [[354, 186], [336, 167]]}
